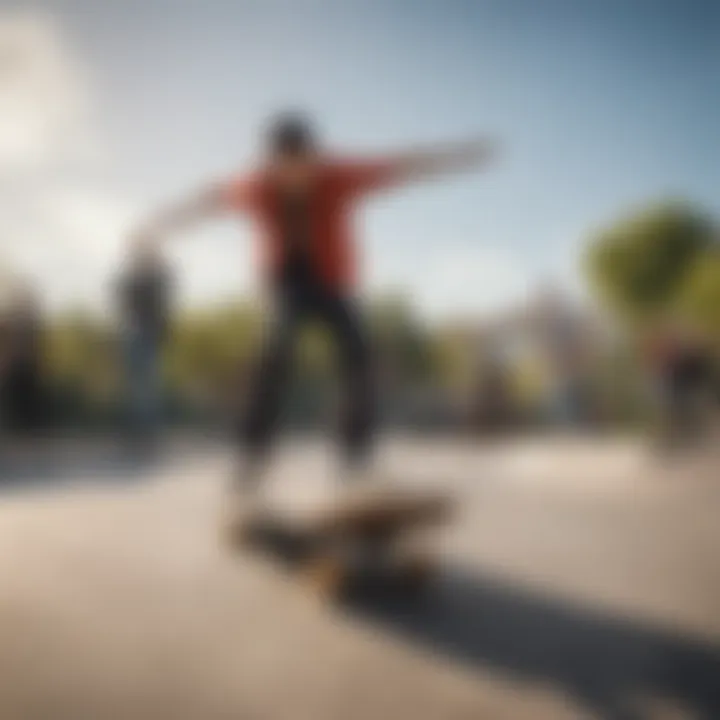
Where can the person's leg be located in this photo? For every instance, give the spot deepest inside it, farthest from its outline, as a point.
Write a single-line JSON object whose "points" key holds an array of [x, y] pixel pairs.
{"points": [[34, 399], [140, 385], [259, 418], [149, 405], [357, 422], [133, 392]]}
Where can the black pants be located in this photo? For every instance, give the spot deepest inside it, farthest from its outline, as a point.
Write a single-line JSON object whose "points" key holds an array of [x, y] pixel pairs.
{"points": [[22, 397], [295, 304]]}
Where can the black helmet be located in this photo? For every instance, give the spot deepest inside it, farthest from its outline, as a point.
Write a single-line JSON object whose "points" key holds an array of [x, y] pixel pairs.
{"points": [[290, 134]]}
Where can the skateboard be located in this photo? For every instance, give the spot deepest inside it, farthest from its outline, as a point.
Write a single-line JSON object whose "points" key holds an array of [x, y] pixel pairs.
{"points": [[369, 544]]}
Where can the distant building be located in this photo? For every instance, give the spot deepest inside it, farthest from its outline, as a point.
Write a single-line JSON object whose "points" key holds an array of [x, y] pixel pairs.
{"points": [[550, 342]]}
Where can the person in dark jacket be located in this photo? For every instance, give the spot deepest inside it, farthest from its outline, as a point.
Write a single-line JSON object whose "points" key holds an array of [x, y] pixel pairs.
{"points": [[684, 369], [143, 295], [20, 365]]}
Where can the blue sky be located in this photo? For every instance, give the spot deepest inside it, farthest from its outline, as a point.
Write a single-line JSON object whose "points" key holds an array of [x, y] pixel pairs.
{"points": [[600, 106]]}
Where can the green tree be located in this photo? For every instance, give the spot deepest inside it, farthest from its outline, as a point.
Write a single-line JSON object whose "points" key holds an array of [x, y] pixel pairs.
{"points": [[638, 266], [700, 294]]}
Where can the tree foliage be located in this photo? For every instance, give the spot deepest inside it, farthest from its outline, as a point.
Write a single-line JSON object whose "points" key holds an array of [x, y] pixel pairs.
{"points": [[700, 293], [639, 265]]}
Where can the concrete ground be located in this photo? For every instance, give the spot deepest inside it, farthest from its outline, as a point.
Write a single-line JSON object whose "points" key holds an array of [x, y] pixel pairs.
{"points": [[581, 580]]}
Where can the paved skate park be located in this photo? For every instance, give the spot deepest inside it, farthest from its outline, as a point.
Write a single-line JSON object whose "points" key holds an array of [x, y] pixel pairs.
{"points": [[580, 580]]}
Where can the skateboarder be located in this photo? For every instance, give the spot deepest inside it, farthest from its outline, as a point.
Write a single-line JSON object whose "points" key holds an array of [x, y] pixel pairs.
{"points": [[302, 199]]}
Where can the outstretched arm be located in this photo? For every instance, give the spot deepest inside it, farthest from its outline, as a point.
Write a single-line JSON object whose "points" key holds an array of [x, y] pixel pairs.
{"points": [[183, 215], [236, 193], [455, 157], [421, 163]]}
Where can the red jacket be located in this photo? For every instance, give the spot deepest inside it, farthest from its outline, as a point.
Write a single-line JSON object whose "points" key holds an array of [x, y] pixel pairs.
{"points": [[341, 185]]}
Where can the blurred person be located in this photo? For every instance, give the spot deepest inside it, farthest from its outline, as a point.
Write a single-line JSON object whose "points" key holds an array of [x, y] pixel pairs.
{"points": [[693, 385], [683, 370], [21, 365], [4, 364], [302, 199], [144, 304]]}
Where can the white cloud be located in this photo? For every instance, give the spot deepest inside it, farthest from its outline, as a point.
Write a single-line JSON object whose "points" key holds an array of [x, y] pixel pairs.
{"points": [[58, 225], [91, 222], [44, 103]]}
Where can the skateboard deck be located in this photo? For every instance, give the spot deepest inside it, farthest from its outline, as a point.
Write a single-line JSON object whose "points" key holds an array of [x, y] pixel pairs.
{"points": [[353, 545]]}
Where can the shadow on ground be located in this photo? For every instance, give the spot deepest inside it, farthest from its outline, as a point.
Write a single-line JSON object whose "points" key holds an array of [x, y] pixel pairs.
{"points": [[49, 464], [604, 662]]}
